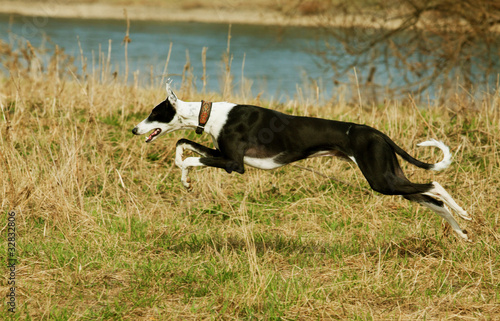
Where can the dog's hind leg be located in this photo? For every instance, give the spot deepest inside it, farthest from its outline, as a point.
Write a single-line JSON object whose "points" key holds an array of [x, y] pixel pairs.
{"points": [[385, 176], [383, 172], [440, 209], [437, 191]]}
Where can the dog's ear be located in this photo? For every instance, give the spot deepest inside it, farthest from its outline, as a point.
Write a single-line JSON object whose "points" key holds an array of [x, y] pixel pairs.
{"points": [[172, 98]]}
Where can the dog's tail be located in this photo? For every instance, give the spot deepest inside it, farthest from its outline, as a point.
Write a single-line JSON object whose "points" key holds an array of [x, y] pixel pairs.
{"points": [[435, 167], [446, 151]]}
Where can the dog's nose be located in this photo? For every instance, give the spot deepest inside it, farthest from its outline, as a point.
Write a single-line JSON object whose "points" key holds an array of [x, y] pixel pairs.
{"points": [[134, 131]]}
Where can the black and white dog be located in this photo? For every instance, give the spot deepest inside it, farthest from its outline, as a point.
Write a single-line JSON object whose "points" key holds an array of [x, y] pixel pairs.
{"points": [[268, 139]]}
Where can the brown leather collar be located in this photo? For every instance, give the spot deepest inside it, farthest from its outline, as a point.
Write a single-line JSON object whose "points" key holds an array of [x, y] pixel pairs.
{"points": [[206, 108]]}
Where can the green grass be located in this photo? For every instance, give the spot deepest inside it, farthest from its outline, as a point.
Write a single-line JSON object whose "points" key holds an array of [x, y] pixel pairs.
{"points": [[105, 230]]}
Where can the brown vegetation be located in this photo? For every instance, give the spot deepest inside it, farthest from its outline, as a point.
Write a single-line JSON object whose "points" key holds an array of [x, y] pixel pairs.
{"points": [[105, 230]]}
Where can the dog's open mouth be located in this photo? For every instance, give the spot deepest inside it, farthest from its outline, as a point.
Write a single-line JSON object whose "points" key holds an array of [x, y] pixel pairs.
{"points": [[155, 133]]}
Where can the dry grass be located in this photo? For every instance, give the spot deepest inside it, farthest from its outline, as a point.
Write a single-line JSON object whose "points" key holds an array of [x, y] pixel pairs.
{"points": [[105, 229]]}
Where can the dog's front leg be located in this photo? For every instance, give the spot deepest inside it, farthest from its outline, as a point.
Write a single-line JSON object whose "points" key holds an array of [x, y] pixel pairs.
{"points": [[185, 167], [186, 164], [219, 162]]}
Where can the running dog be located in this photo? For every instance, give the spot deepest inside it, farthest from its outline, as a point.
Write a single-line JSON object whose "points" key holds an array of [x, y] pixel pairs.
{"points": [[267, 139]]}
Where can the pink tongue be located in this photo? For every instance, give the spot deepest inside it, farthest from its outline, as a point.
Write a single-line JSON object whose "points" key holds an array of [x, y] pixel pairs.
{"points": [[152, 135]]}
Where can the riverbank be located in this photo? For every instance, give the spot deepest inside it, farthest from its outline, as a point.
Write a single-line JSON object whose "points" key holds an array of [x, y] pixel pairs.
{"points": [[171, 11], [221, 11]]}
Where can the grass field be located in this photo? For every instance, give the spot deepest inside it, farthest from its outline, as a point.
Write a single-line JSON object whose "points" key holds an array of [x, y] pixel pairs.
{"points": [[105, 230]]}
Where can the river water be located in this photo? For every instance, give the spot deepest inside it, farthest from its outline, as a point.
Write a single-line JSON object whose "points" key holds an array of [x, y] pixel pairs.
{"points": [[275, 59], [278, 61]]}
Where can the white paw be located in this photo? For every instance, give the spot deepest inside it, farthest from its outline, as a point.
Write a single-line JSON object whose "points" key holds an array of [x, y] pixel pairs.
{"points": [[463, 214], [463, 235], [187, 184]]}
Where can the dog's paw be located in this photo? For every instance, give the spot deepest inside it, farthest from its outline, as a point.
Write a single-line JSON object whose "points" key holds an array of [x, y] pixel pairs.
{"points": [[463, 235], [187, 184], [463, 214]]}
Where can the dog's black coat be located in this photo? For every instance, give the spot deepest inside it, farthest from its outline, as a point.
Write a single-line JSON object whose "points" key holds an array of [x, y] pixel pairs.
{"points": [[261, 133], [265, 138]]}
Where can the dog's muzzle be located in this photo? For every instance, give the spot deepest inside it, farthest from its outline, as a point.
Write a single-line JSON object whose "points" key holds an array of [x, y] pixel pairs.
{"points": [[135, 131]]}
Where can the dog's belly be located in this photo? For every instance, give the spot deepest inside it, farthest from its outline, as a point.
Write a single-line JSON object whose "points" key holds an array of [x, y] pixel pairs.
{"points": [[272, 163], [334, 153], [262, 163]]}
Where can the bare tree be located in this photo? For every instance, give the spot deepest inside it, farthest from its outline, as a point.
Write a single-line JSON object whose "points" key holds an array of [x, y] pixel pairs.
{"points": [[410, 45]]}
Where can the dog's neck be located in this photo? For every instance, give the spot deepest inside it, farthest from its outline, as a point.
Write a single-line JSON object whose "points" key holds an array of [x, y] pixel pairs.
{"points": [[188, 113]]}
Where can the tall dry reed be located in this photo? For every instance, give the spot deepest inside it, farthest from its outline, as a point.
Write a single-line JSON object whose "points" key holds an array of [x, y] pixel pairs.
{"points": [[106, 230]]}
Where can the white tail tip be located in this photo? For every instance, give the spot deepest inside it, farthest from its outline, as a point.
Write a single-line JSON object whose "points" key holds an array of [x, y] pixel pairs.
{"points": [[446, 151]]}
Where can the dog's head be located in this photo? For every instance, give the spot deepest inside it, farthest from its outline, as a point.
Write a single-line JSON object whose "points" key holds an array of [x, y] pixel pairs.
{"points": [[163, 119]]}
